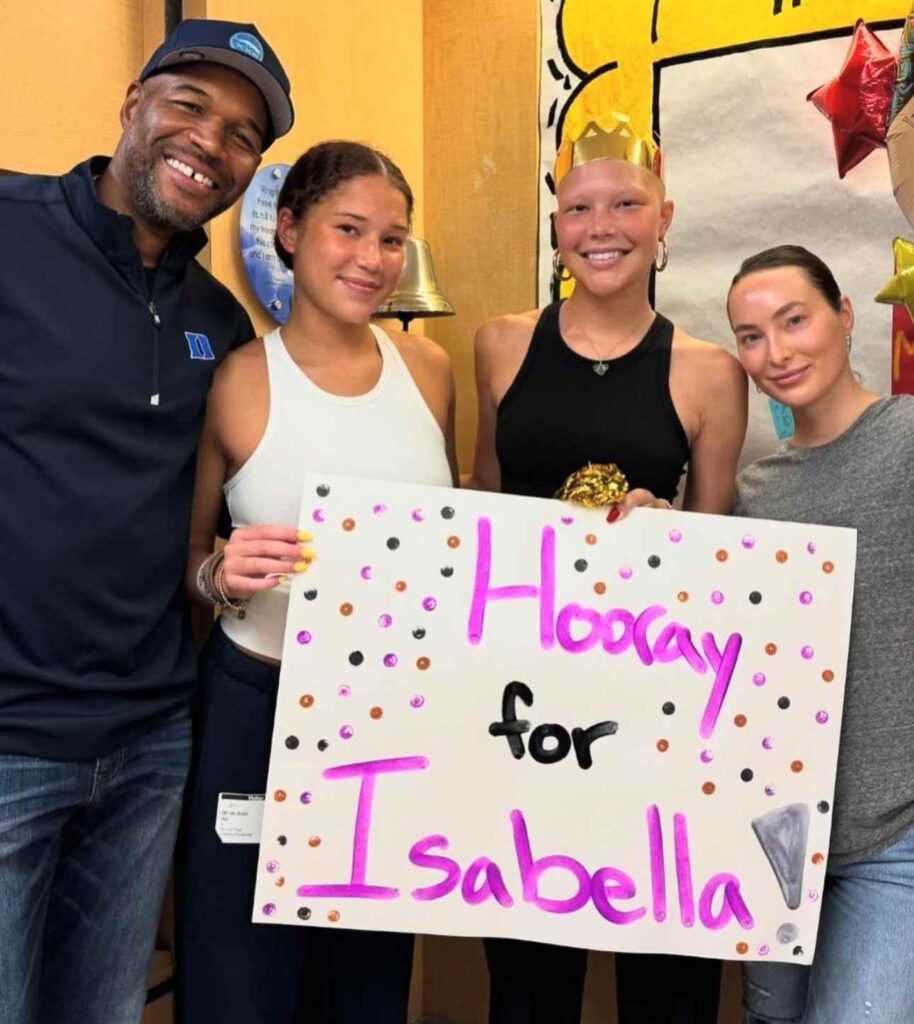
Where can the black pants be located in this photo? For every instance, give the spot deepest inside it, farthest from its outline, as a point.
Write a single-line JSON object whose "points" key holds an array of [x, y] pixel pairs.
{"points": [[534, 983], [230, 971]]}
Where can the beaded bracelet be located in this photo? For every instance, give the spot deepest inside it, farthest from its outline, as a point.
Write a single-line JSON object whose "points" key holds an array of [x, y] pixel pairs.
{"points": [[235, 604]]}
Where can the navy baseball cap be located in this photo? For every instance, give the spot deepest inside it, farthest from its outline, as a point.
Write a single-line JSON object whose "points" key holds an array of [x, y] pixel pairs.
{"points": [[236, 46]]}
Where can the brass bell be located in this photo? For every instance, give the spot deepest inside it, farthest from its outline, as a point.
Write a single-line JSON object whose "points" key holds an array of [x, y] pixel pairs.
{"points": [[417, 294]]}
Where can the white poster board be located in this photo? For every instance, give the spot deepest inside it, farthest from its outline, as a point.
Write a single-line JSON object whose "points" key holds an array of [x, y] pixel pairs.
{"points": [[505, 716]]}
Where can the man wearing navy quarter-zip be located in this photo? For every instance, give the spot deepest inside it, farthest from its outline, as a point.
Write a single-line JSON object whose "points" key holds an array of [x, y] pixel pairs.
{"points": [[109, 334]]}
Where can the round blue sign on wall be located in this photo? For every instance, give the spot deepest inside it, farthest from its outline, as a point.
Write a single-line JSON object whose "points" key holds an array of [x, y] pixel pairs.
{"points": [[270, 279]]}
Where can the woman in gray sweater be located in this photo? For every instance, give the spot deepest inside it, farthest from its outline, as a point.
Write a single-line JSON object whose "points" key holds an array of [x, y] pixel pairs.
{"points": [[850, 463]]}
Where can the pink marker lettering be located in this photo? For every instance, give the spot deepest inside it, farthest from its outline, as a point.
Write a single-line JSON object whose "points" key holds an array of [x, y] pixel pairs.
{"points": [[575, 613], [639, 634], [368, 772], [532, 870], [723, 666], [732, 905], [483, 592], [419, 855], [493, 885], [658, 874], [683, 870], [613, 884]]}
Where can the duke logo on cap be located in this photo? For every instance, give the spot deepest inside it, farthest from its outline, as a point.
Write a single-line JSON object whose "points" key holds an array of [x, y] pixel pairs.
{"points": [[237, 46]]}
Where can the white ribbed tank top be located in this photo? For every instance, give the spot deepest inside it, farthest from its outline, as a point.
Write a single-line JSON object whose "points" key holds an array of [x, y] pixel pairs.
{"points": [[389, 433]]}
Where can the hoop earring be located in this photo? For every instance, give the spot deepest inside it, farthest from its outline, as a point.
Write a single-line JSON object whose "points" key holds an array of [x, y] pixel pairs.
{"points": [[758, 389], [558, 267], [664, 254], [849, 341]]}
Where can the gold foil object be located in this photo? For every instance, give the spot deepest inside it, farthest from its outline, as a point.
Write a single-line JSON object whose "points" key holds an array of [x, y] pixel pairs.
{"points": [[900, 290], [417, 292], [618, 141], [595, 486]]}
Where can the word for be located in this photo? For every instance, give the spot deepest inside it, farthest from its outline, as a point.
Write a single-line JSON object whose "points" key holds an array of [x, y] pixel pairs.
{"points": [[617, 630], [609, 889], [513, 730]]}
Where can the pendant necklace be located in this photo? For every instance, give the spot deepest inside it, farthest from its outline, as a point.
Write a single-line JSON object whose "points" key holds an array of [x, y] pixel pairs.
{"points": [[601, 366]]}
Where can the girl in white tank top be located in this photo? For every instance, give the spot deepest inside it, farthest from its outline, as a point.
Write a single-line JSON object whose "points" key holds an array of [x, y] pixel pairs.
{"points": [[327, 391]]}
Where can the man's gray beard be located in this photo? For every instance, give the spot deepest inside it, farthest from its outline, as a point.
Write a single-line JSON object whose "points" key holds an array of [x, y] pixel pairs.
{"points": [[159, 214]]}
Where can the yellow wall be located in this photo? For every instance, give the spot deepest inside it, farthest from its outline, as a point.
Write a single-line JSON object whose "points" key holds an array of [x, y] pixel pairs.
{"points": [[65, 68], [356, 70]]}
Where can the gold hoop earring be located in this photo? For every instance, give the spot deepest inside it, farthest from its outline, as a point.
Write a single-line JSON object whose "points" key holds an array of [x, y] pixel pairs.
{"points": [[663, 251], [558, 267]]}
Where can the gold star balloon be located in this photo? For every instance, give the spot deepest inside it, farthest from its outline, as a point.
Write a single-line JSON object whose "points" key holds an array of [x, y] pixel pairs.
{"points": [[900, 290]]}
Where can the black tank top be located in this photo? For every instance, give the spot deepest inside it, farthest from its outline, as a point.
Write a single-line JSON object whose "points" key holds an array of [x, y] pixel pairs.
{"points": [[558, 415]]}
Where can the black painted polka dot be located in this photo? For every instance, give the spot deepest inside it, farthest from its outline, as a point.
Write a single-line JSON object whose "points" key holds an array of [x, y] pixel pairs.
{"points": [[755, 597], [668, 708], [747, 775], [322, 744], [783, 703], [447, 512], [797, 950], [581, 565], [419, 633], [292, 742], [393, 543], [311, 594], [356, 658], [281, 840], [823, 807], [447, 571], [654, 561], [322, 490], [304, 913]]}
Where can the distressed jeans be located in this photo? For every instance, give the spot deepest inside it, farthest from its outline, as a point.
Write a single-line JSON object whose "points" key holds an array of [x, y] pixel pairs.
{"points": [[863, 970], [85, 850]]}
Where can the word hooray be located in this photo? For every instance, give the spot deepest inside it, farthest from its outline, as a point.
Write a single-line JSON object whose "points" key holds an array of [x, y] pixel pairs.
{"points": [[506, 716]]}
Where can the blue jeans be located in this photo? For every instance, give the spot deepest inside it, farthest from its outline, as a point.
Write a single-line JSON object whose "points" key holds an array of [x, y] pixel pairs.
{"points": [[863, 970], [85, 850]]}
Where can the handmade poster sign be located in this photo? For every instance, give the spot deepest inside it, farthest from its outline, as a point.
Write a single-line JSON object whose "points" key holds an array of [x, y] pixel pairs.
{"points": [[505, 716]]}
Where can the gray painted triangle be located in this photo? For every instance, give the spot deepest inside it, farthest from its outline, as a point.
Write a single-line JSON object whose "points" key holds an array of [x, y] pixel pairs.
{"points": [[782, 835]]}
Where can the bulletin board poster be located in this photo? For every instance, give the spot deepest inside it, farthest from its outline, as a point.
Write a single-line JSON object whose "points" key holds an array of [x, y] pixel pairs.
{"points": [[505, 716], [750, 162]]}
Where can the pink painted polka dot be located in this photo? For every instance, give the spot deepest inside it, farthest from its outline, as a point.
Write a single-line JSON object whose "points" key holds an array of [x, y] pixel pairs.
{"points": [[343, 690], [706, 756], [807, 652], [379, 509], [717, 597], [748, 542], [303, 637], [385, 621], [811, 547], [305, 798], [346, 732], [626, 572], [272, 866], [429, 604], [821, 717], [269, 909], [768, 743], [675, 536], [318, 515], [759, 679], [418, 515], [390, 660], [805, 597], [417, 701], [365, 572]]}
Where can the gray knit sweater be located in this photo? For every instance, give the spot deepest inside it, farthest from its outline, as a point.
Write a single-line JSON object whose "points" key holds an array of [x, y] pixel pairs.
{"points": [[863, 479]]}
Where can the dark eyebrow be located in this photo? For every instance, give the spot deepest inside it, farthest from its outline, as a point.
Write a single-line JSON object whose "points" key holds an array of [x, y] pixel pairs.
{"points": [[197, 91], [363, 220], [778, 312]]}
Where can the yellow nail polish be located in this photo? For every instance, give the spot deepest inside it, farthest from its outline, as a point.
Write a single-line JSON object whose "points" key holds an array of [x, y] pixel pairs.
{"points": [[304, 535], [302, 566], [283, 579], [307, 553]]}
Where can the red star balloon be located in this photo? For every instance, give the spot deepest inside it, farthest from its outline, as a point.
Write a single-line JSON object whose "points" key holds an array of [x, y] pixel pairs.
{"points": [[857, 102]]}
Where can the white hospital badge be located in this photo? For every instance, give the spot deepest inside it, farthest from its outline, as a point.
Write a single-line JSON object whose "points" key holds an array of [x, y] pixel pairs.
{"points": [[239, 817]]}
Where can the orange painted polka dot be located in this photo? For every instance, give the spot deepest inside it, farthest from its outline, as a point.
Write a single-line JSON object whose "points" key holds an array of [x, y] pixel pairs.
{"points": [[376, 713], [818, 858], [828, 567], [708, 788], [422, 663], [828, 675], [400, 585], [721, 555], [599, 587], [348, 525], [742, 947], [306, 700], [739, 721], [314, 841], [781, 556], [279, 795], [771, 648], [346, 608], [453, 542], [591, 538], [663, 746], [683, 595], [796, 766], [333, 915], [280, 882]]}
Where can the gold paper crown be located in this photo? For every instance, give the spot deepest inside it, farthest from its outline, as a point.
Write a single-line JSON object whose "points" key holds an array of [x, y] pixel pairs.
{"points": [[619, 142]]}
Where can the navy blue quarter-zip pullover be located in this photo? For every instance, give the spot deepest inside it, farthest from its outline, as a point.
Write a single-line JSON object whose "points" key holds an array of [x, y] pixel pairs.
{"points": [[103, 384]]}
